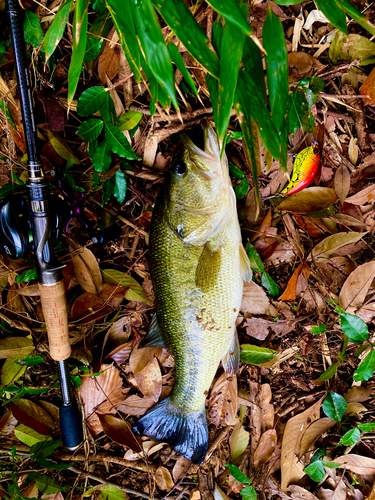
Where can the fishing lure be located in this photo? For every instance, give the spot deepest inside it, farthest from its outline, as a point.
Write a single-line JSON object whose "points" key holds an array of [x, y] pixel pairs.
{"points": [[304, 169]]}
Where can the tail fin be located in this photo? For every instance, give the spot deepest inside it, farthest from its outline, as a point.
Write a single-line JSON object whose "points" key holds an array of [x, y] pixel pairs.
{"points": [[186, 432]]}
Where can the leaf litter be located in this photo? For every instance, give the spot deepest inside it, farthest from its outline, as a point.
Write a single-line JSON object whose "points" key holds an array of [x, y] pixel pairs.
{"points": [[315, 246]]}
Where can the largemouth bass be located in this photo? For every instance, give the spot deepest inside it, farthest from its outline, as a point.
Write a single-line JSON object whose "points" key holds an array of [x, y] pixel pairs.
{"points": [[198, 266]]}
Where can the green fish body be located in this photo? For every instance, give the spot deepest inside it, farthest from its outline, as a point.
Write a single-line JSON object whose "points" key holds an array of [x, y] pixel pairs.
{"points": [[198, 266]]}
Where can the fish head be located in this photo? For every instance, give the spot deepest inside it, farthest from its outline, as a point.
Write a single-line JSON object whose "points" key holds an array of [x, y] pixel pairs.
{"points": [[199, 191]]}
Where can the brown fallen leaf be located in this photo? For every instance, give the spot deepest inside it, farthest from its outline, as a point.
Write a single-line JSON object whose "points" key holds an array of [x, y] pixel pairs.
{"points": [[119, 431], [134, 405], [163, 479], [342, 183], [7, 424], [257, 328], [238, 441], [109, 59], [149, 380], [30, 414], [254, 299], [357, 463], [290, 291], [180, 468], [301, 64], [355, 408], [309, 200], [367, 195], [121, 353], [267, 407], [355, 288], [330, 245], [90, 307], [291, 467], [368, 88], [87, 269], [299, 493], [223, 400], [315, 430], [101, 394], [359, 394], [266, 447], [119, 332], [141, 357]]}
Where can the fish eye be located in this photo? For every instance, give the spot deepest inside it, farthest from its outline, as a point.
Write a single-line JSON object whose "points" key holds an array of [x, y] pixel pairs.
{"points": [[316, 150], [179, 168]]}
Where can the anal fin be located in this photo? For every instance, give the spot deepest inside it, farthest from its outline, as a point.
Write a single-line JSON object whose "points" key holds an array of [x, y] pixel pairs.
{"points": [[154, 337], [231, 361], [245, 268]]}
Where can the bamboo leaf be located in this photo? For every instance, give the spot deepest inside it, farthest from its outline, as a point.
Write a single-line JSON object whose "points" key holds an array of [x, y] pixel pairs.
{"points": [[231, 11], [80, 22], [360, 18], [333, 13], [252, 61], [179, 62], [56, 30]]}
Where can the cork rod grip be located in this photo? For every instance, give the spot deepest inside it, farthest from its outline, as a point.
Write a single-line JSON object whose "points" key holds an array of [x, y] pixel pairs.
{"points": [[55, 314]]}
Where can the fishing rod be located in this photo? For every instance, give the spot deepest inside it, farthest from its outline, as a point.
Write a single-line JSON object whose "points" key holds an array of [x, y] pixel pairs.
{"points": [[43, 226]]}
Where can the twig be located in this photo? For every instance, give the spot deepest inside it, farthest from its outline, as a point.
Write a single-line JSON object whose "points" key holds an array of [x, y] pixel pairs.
{"points": [[339, 69], [172, 118]]}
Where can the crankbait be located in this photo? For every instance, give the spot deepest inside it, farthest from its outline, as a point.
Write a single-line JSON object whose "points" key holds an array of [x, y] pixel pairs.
{"points": [[304, 169]]}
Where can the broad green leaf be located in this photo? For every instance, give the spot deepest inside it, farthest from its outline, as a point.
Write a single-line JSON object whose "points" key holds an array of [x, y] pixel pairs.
{"points": [[46, 485], [299, 111], [120, 186], [231, 11], [230, 58], [248, 493], [129, 120], [237, 474], [330, 371], [255, 355], [91, 100], [15, 347], [26, 276], [252, 61], [105, 492], [351, 437], [56, 30], [90, 129], [122, 17], [366, 369], [118, 278], [241, 190], [331, 465], [108, 110], [30, 361], [255, 260], [29, 436], [360, 18], [367, 427], [101, 161], [80, 22], [334, 406], [93, 48], [153, 45], [333, 13], [213, 87], [235, 171], [354, 327], [315, 471], [118, 143], [109, 189], [32, 30], [44, 449], [270, 285], [11, 371], [179, 62]]}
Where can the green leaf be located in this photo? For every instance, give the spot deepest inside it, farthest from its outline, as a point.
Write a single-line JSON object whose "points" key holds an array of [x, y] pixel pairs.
{"points": [[93, 48], [333, 13], [46, 485], [255, 261], [366, 369], [352, 47], [179, 62], [101, 160], [122, 17], [91, 100], [299, 111], [30, 361], [26, 276], [351, 437], [230, 58], [241, 190], [129, 120], [315, 471], [32, 30], [334, 406], [4, 108], [329, 372], [109, 189], [255, 355], [29, 436], [105, 492], [56, 30], [269, 284], [367, 427], [11, 371], [360, 18], [118, 143], [15, 347], [354, 327], [44, 448], [235, 171], [231, 11], [120, 186], [237, 474], [90, 129], [108, 110], [248, 493], [252, 61], [153, 45], [331, 465], [135, 291], [80, 22]]}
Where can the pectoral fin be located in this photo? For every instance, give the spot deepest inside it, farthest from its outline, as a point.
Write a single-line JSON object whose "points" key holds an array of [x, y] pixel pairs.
{"points": [[154, 337], [245, 268], [208, 268], [231, 361]]}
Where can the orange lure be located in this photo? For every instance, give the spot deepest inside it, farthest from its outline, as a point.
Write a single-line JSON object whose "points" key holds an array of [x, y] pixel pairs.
{"points": [[304, 168]]}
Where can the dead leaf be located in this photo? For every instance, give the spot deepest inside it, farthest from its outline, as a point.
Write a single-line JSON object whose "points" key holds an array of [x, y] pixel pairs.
{"points": [[223, 400], [15, 347], [330, 245], [87, 270], [254, 299], [102, 394], [90, 307], [355, 288], [291, 467], [163, 479], [301, 64], [359, 394], [149, 380], [134, 405], [342, 183], [119, 332], [30, 414], [367, 195], [357, 463], [119, 431], [315, 430], [257, 328], [368, 88], [141, 357], [109, 59], [267, 407], [121, 353], [7, 424], [354, 408], [299, 493], [238, 441], [290, 291], [309, 200], [266, 447], [180, 468]]}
